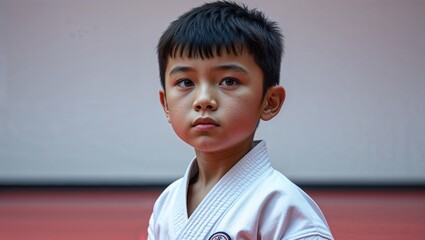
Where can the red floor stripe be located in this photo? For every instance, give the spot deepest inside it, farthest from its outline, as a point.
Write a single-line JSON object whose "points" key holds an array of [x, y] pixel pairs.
{"points": [[124, 215]]}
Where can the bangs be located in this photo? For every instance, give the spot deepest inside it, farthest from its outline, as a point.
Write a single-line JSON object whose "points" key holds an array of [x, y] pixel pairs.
{"points": [[205, 51], [204, 45]]}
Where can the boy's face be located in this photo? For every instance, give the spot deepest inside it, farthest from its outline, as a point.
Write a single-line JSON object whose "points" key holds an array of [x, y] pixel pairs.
{"points": [[214, 104]]}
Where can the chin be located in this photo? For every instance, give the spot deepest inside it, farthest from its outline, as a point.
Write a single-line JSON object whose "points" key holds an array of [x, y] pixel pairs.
{"points": [[207, 146]]}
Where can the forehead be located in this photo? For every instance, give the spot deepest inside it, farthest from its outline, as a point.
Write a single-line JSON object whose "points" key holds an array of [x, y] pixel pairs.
{"points": [[243, 61]]}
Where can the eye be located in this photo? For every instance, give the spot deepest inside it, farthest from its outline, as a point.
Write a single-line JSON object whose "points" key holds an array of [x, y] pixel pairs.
{"points": [[185, 83], [229, 82]]}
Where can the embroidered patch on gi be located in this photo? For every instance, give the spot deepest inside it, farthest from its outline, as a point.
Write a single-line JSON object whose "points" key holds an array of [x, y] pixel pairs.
{"points": [[219, 236]]}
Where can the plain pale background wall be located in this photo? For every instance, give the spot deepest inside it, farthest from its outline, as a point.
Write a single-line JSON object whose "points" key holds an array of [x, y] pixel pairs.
{"points": [[79, 92]]}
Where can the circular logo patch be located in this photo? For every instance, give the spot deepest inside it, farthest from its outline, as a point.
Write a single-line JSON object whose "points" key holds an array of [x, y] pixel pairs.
{"points": [[219, 236]]}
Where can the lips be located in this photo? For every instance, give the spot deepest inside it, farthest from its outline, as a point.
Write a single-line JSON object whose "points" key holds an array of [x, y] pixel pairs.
{"points": [[204, 124]]}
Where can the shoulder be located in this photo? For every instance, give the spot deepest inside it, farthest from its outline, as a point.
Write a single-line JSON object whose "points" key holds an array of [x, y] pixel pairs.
{"points": [[283, 192], [274, 208], [285, 203], [161, 210], [275, 186], [168, 195]]}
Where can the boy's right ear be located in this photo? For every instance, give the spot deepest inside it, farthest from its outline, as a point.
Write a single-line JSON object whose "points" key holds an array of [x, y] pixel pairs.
{"points": [[163, 100]]}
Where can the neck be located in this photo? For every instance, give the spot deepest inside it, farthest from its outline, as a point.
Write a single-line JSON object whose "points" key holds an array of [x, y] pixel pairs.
{"points": [[213, 166]]}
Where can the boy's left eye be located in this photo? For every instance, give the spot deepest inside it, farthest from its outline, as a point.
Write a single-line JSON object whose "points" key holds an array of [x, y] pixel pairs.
{"points": [[229, 82]]}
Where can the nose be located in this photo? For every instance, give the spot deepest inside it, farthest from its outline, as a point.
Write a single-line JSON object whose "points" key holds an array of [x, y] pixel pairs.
{"points": [[205, 99]]}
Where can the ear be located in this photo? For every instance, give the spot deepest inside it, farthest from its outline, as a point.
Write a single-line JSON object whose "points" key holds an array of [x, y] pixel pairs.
{"points": [[273, 102], [163, 100]]}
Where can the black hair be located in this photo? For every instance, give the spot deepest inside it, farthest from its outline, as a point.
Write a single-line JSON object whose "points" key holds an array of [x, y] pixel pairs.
{"points": [[208, 30]]}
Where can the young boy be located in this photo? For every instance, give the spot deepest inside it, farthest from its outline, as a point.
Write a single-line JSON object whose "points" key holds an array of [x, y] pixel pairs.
{"points": [[219, 67]]}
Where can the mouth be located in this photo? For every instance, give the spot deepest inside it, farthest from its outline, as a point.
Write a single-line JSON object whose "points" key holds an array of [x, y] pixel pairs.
{"points": [[204, 124]]}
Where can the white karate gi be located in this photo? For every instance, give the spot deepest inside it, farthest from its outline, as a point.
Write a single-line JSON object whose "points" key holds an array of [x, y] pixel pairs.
{"points": [[251, 201]]}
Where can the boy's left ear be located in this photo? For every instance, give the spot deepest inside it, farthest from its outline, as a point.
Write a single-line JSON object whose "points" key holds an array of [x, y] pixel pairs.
{"points": [[273, 102]]}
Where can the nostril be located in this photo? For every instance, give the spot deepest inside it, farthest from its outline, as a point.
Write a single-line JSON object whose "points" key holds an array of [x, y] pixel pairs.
{"points": [[205, 104], [204, 107], [198, 107]]}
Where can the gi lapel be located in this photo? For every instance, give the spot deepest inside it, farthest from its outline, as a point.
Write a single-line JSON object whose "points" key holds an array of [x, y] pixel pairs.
{"points": [[222, 196]]}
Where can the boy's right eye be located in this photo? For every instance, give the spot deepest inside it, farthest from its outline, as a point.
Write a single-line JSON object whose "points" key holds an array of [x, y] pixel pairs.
{"points": [[185, 83]]}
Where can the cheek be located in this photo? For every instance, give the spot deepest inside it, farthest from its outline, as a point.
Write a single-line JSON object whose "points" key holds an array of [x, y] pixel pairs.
{"points": [[249, 105], [177, 121], [176, 104], [245, 114], [178, 113]]}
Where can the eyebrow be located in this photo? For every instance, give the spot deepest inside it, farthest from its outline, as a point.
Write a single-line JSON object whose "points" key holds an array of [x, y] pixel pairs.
{"points": [[178, 69], [234, 67]]}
